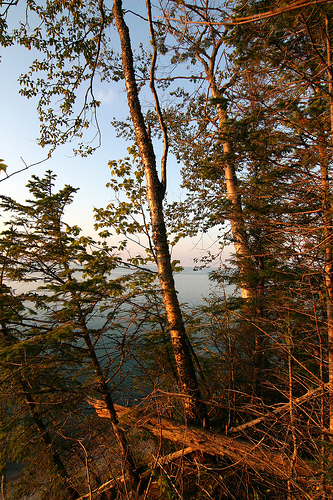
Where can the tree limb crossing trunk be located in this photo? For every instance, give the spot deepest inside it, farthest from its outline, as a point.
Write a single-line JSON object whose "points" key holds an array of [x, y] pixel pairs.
{"points": [[255, 456], [196, 411]]}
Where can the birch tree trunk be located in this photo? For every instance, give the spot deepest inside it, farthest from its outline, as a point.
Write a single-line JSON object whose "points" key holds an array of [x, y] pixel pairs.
{"points": [[243, 254], [245, 262], [195, 410]]}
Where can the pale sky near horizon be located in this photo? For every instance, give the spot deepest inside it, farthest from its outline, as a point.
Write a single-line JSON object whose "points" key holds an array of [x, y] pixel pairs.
{"points": [[19, 129]]}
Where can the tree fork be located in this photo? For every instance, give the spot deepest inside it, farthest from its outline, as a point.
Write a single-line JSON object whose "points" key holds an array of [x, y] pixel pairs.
{"points": [[196, 411]]}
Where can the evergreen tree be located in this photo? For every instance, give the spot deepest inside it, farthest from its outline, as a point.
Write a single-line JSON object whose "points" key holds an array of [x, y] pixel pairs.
{"points": [[56, 338], [68, 33], [293, 59]]}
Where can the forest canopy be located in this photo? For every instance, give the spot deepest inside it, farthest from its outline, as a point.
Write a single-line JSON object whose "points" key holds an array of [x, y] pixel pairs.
{"points": [[233, 398]]}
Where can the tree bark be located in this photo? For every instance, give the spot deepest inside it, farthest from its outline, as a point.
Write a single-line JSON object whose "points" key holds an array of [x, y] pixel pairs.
{"points": [[195, 410], [256, 456], [243, 254], [328, 233]]}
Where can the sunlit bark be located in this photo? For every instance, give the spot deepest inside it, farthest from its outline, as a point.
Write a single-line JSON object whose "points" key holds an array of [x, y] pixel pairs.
{"points": [[328, 234], [195, 409], [243, 254]]}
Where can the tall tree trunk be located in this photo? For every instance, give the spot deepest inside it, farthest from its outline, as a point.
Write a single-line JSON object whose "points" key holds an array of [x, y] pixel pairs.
{"points": [[328, 233], [328, 276], [196, 411], [245, 262], [243, 254]]}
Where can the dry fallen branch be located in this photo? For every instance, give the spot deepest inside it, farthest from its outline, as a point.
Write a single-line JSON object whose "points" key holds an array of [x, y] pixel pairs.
{"points": [[314, 393], [159, 461], [256, 456]]}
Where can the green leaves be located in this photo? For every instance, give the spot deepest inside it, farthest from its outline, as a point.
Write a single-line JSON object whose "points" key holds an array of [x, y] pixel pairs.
{"points": [[3, 166], [127, 214], [71, 38], [68, 333]]}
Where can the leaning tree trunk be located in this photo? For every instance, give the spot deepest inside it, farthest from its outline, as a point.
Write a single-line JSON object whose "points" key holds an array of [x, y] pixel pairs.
{"points": [[125, 448], [128, 460], [196, 411], [42, 428], [46, 438]]}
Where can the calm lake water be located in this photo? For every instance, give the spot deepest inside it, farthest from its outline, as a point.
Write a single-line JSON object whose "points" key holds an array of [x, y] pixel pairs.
{"points": [[193, 286]]}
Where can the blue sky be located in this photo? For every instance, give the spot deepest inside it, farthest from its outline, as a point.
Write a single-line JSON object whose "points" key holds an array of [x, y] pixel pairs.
{"points": [[19, 129]]}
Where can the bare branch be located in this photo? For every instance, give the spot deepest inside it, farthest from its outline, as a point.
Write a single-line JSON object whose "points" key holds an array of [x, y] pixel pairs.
{"points": [[302, 399], [26, 167], [156, 99], [299, 4]]}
